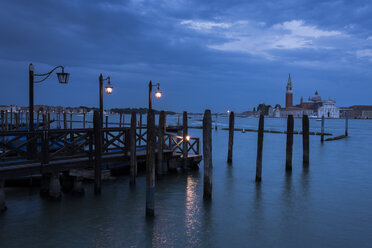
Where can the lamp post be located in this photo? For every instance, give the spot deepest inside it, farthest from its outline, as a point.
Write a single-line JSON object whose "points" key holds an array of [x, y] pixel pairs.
{"points": [[62, 79], [108, 88], [158, 93]]}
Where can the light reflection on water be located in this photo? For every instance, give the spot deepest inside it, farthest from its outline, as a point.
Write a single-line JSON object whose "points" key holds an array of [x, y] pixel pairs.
{"points": [[327, 205]]}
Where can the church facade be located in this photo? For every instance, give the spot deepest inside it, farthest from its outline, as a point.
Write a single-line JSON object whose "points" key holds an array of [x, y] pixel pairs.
{"points": [[315, 107]]}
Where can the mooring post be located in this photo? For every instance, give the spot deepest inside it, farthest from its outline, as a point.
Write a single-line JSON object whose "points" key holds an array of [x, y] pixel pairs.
{"points": [[231, 137], [132, 144], [289, 148], [305, 139], [150, 164], [346, 125], [3, 206], [160, 145], [207, 153], [6, 121], [322, 130], [259, 148], [55, 187], [185, 141], [84, 119], [98, 152]]}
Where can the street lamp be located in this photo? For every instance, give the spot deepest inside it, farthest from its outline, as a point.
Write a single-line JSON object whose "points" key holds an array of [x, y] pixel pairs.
{"points": [[158, 93], [62, 79], [108, 88]]}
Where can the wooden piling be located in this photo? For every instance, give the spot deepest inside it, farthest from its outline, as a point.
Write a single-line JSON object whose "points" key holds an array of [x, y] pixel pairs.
{"points": [[346, 125], [160, 145], [98, 152], [84, 119], [185, 141], [150, 164], [207, 153], [305, 140], [231, 138], [289, 147], [322, 130], [132, 144], [11, 118], [259, 149], [3, 206], [44, 122]]}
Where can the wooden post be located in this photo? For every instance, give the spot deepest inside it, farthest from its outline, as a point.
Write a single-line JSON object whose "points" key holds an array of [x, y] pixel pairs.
{"points": [[48, 120], [26, 117], [231, 138], [84, 119], [150, 165], [185, 141], [16, 120], [44, 122], [11, 118], [64, 120], [322, 130], [6, 121], [124, 119], [70, 120], [207, 153], [3, 206], [37, 119], [140, 130], [98, 152], [259, 148], [289, 149], [161, 129], [132, 144], [120, 119], [305, 139], [2, 120], [346, 125]]}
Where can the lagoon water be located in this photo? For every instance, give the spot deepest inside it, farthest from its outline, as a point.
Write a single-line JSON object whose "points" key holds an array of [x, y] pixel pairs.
{"points": [[328, 205]]}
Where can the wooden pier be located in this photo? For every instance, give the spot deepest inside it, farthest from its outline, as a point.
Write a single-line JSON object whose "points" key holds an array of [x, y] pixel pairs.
{"points": [[59, 151]]}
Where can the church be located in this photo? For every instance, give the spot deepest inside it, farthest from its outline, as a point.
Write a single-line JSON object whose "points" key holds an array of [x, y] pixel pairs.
{"points": [[315, 107]]}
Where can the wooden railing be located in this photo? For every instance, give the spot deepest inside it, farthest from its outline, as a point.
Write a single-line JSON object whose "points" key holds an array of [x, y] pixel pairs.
{"points": [[17, 147]]}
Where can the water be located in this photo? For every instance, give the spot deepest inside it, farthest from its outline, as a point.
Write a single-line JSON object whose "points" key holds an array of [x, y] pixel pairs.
{"points": [[328, 205]]}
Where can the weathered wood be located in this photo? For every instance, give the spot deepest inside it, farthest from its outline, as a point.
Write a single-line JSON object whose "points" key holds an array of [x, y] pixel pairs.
{"points": [[98, 152], [322, 130], [289, 147], [160, 145], [207, 153], [3, 206], [150, 165], [346, 125], [231, 137], [305, 140], [132, 144], [185, 141], [259, 149]]}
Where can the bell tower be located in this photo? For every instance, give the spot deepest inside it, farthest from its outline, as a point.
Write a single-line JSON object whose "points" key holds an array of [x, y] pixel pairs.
{"points": [[289, 93]]}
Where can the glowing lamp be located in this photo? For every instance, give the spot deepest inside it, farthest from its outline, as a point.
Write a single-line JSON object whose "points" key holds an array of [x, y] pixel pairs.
{"points": [[188, 138], [108, 87]]}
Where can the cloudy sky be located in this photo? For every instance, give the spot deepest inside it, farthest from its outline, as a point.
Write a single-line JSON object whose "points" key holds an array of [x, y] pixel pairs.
{"points": [[222, 54]]}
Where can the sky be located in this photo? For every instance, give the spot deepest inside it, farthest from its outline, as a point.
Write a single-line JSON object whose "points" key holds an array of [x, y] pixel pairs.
{"points": [[218, 55]]}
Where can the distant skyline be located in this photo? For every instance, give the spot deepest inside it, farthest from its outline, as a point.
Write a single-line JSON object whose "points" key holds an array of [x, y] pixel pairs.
{"points": [[218, 55]]}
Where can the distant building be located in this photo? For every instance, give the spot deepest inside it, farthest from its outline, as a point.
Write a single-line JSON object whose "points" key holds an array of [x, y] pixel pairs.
{"points": [[315, 107], [289, 93]]}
